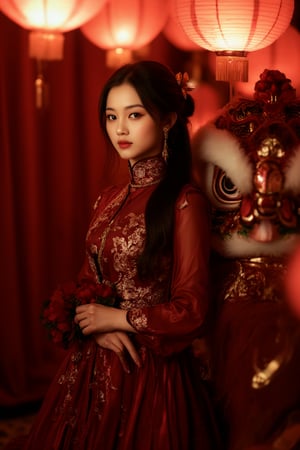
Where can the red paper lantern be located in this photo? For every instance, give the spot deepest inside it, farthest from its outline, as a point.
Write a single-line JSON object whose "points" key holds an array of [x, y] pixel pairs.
{"points": [[175, 34], [231, 28], [48, 19], [123, 26]]}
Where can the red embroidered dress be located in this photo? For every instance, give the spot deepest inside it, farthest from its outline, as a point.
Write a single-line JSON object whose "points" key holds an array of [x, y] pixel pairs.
{"points": [[92, 402]]}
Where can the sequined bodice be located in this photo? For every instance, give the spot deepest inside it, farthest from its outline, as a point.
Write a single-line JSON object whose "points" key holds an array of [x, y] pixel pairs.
{"points": [[117, 232]]}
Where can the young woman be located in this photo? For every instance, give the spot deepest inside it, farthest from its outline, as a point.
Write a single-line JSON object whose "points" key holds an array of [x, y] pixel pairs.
{"points": [[131, 383]]}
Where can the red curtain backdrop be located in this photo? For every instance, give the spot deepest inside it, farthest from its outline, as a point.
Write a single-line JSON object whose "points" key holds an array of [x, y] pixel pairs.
{"points": [[53, 162]]}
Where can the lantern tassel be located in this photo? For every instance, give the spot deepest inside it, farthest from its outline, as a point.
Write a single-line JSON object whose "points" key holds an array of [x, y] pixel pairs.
{"points": [[118, 56], [41, 88], [231, 66]]}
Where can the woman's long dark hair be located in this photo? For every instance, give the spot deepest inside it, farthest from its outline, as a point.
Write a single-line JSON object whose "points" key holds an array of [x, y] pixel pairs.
{"points": [[161, 95]]}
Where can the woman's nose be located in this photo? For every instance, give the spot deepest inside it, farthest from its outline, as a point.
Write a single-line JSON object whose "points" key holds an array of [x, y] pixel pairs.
{"points": [[121, 129]]}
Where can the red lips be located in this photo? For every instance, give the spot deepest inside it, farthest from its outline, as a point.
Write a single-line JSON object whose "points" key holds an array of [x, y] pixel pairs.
{"points": [[124, 144]]}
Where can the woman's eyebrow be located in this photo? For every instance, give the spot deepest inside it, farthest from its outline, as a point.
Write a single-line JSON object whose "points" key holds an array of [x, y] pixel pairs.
{"points": [[126, 107]]}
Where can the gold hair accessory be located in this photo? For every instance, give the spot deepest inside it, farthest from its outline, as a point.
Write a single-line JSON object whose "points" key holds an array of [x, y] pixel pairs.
{"points": [[183, 82]]}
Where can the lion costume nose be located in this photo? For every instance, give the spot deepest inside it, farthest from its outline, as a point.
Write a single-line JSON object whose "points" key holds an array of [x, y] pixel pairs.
{"points": [[266, 207]]}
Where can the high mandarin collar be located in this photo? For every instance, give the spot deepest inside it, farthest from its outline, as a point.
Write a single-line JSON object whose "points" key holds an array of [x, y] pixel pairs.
{"points": [[147, 172]]}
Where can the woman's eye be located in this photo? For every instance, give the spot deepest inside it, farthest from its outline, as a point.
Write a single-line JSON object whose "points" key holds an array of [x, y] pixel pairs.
{"points": [[135, 115], [110, 117]]}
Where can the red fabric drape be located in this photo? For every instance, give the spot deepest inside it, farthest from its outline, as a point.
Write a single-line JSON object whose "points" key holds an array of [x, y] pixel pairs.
{"points": [[52, 165]]}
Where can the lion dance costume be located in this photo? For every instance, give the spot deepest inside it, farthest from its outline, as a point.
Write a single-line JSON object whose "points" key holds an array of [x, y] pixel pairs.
{"points": [[248, 159]]}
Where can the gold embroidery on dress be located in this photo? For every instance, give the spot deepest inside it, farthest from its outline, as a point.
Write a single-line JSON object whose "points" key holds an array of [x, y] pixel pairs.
{"points": [[138, 320], [127, 245], [106, 214], [100, 384], [117, 240], [147, 172], [96, 204]]}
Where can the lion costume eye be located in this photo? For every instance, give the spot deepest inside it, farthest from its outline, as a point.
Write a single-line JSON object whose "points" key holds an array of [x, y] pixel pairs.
{"points": [[225, 191]]}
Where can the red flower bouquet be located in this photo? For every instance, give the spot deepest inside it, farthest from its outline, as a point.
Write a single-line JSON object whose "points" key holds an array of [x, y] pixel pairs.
{"points": [[59, 310]]}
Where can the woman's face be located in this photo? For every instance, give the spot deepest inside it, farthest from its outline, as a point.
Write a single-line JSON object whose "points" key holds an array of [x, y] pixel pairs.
{"points": [[132, 130]]}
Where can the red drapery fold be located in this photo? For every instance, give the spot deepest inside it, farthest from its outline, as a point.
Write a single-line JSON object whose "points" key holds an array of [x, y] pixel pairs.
{"points": [[52, 165]]}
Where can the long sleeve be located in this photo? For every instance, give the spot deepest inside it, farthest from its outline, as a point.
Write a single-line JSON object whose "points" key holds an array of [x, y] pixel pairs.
{"points": [[172, 326]]}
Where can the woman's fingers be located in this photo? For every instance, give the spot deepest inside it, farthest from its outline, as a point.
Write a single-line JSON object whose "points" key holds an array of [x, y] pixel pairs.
{"points": [[80, 313], [120, 343], [113, 342], [123, 361], [86, 317], [83, 323], [131, 349]]}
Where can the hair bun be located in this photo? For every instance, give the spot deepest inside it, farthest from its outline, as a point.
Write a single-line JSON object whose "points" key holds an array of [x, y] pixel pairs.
{"points": [[189, 105], [183, 82]]}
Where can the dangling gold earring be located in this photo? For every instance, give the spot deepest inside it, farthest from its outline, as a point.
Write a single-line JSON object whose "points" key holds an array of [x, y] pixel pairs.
{"points": [[165, 153]]}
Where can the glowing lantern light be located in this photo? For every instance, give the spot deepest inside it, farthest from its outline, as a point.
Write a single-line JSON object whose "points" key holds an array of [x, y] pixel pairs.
{"points": [[122, 26], [47, 20], [232, 28]]}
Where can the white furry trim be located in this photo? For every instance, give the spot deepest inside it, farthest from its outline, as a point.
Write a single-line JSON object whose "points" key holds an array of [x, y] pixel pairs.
{"points": [[222, 149], [292, 173], [241, 247]]}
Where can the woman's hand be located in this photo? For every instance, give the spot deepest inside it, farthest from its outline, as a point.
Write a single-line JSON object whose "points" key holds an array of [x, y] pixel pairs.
{"points": [[120, 343], [96, 318]]}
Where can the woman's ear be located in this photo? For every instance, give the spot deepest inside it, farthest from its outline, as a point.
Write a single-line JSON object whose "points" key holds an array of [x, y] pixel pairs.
{"points": [[170, 121]]}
